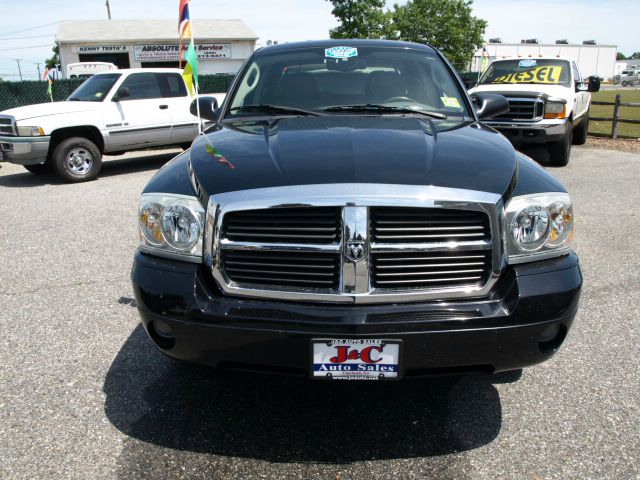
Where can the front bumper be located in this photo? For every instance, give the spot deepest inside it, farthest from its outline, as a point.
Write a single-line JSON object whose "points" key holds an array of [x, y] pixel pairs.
{"points": [[543, 131], [497, 333], [25, 150]]}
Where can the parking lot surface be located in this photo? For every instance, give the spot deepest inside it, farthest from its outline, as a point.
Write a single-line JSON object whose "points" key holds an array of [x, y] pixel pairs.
{"points": [[84, 394]]}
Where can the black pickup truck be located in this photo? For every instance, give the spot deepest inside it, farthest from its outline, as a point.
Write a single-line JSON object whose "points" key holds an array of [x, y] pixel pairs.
{"points": [[349, 216]]}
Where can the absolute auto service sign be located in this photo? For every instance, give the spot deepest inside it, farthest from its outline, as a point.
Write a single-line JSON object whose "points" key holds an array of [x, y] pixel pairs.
{"points": [[169, 53]]}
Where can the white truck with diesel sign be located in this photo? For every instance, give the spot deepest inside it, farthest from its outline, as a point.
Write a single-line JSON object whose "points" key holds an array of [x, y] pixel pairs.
{"points": [[110, 113], [549, 102]]}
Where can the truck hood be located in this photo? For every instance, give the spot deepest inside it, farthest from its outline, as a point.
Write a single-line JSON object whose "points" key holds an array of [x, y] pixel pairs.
{"points": [[554, 91], [55, 108], [352, 149]]}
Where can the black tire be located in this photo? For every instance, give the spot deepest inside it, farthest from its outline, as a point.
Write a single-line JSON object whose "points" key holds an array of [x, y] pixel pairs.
{"points": [[625, 84], [77, 159], [40, 168], [580, 133], [559, 152]]}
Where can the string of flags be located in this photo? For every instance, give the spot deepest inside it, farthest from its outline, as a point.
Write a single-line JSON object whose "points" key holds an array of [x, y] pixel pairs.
{"points": [[485, 58], [190, 72], [50, 76]]}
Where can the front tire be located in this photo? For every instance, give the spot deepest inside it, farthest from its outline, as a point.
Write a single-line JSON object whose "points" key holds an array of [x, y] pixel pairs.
{"points": [[559, 152], [40, 168], [77, 159], [580, 134]]}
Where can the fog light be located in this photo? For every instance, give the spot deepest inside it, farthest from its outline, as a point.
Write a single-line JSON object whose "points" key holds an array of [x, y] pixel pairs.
{"points": [[161, 333], [551, 338], [549, 333]]}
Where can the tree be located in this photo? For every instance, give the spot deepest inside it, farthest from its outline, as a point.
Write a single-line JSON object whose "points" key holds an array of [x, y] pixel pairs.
{"points": [[55, 59], [635, 56], [445, 24], [361, 19], [620, 56]]}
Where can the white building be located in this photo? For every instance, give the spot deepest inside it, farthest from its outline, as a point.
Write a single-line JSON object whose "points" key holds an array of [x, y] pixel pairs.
{"points": [[596, 59], [626, 65], [222, 45]]}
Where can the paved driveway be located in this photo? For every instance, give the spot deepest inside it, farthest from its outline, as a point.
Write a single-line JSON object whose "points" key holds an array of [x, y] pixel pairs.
{"points": [[83, 394]]}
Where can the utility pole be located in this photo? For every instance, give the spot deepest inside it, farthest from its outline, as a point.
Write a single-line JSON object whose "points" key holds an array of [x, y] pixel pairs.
{"points": [[108, 9], [19, 69], [39, 76]]}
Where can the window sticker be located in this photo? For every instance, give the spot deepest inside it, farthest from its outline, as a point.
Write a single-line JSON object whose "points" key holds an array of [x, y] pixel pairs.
{"points": [[545, 75], [341, 52], [527, 63], [450, 102]]}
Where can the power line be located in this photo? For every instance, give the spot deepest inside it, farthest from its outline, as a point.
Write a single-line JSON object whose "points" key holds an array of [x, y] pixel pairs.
{"points": [[26, 38], [28, 29], [25, 48]]}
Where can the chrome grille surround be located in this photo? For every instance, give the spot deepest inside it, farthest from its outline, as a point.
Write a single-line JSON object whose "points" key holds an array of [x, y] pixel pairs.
{"points": [[8, 126], [522, 109], [356, 277]]}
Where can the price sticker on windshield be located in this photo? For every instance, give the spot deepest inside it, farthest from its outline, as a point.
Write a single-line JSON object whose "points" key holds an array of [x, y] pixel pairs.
{"points": [[450, 102]]}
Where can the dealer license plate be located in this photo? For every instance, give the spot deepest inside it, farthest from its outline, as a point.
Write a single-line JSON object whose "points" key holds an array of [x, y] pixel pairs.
{"points": [[356, 359]]}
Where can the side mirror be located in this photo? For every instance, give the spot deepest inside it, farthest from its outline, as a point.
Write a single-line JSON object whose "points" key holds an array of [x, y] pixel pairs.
{"points": [[123, 92], [594, 84], [208, 107], [489, 105]]}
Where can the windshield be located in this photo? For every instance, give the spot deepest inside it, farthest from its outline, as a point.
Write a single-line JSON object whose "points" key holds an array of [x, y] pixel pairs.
{"points": [[95, 89], [528, 70], [341, 80]]}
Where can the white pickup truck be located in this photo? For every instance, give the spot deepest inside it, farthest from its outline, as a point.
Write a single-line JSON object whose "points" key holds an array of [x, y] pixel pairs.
{"points": [[548, 99], [110, 113]]}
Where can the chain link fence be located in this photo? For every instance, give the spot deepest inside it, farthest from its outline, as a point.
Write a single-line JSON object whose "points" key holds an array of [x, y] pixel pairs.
{"points": [[18, 94]]}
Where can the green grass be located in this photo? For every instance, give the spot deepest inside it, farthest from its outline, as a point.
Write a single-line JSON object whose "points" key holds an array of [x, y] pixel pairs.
{"points": [[606, 111]]}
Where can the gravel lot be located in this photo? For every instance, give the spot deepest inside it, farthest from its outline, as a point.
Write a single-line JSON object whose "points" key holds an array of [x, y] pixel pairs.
{"points": [[83, 393]]}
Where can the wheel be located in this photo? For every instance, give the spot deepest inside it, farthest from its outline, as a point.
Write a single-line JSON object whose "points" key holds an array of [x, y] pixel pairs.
{"points": [[559, 152], [580, 135], [625, 84], [40, 168], [77, 159]]}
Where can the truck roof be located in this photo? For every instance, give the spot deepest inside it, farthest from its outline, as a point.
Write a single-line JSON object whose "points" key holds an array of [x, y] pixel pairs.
{"points": [[143, 70], [532, 57], [346, 43]]}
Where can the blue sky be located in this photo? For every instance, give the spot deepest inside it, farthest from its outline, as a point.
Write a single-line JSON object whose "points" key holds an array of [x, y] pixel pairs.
{"points": [[611, 22]]}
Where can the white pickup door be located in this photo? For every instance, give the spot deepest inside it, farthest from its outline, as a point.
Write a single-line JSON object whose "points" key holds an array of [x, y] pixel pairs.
{"points": [[146, 116]]}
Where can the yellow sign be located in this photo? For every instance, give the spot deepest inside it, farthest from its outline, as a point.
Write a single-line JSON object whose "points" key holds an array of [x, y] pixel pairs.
{"points": [[548, 75]]}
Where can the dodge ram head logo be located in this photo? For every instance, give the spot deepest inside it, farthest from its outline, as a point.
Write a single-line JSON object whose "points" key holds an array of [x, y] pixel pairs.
{"points": [[355, 251]]}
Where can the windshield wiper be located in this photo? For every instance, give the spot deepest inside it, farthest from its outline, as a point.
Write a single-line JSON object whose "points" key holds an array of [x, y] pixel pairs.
{"points": [[274, 109], [382, 109]]}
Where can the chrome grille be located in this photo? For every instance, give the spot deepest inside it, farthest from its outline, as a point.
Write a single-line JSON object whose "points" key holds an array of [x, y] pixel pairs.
{"points": [[288, 225], [291, 269], [7, 127], [413, 225], [428, 270], [523, 109], [354, 243]]}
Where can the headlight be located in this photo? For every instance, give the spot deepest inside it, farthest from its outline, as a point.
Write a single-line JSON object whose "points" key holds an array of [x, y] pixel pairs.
{"points": [[538, 226], [30, 131], [555, 110], [171, 226]]}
